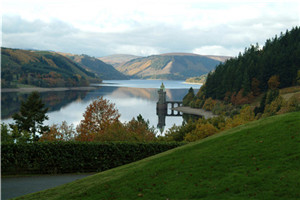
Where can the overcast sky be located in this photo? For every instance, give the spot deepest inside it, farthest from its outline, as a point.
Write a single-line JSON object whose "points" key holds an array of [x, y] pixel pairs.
{"points": [[144, 27]]}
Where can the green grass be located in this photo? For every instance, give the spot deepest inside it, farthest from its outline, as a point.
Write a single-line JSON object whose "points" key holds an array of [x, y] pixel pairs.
{"points": [[259, 160]]}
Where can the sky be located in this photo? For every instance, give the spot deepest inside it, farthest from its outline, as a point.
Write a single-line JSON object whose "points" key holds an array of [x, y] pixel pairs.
{"points": [[144, 27]]}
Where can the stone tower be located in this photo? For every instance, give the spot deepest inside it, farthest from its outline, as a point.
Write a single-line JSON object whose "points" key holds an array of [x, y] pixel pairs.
{"points": [[161, 108], [162, 94]]}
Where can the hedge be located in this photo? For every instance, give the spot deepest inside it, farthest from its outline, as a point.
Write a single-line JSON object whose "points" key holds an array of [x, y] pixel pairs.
{"points": [[70, 157]]}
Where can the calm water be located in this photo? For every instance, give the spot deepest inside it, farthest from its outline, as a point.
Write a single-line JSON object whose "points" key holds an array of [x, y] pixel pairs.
{"points": [[131, 98]]}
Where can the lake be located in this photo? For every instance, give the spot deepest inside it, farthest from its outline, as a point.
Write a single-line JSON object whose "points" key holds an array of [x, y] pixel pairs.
{"points": [[131, 98]]}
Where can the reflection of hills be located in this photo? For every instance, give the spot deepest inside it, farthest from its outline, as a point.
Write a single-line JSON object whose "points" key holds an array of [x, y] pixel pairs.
{"points": [[54, 100], [148, 93], [98, 93], [143, 93]]}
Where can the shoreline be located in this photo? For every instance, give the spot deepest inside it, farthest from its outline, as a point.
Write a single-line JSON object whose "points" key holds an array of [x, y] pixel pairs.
{"points": [[195, 111], [38, 89], [193, 83]]}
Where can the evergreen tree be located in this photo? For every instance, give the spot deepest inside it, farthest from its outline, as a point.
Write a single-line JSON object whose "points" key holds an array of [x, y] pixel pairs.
{"points": [[279, 57], [31, 116], [189, 97]]}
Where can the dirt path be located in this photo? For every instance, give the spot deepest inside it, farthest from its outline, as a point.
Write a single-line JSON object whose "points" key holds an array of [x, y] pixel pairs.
{"points": [[12, 187]]}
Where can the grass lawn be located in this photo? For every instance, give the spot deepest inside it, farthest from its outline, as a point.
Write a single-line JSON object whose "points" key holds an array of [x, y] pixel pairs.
{"points": [[259, 160]]}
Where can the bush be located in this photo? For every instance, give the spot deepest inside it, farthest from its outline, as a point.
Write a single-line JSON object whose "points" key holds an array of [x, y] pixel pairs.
{"points": [[201, 131], [209, 104], [69, 157]]}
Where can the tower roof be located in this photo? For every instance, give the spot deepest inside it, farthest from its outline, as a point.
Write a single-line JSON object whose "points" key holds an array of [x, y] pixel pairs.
{"points": [[162, 87]]}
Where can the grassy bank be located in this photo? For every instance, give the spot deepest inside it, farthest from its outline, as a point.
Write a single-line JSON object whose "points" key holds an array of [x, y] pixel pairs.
{"points": [[259, 160]]}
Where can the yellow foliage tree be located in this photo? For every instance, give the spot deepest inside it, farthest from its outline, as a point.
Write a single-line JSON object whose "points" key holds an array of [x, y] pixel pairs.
{"points": [[273, 82], [201, 131], [209, 104], [246, 115], [274, 107]]}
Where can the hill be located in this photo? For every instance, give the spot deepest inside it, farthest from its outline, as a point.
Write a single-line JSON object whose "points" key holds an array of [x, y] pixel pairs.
{"points": [[175, 66], [259, 160], [117, 59], [103, 70], [42, 69], [219, 58], [250, 72], [199, 79]]}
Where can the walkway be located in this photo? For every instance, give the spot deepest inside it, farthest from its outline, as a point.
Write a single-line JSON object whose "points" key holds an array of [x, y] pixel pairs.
{"points": [[195, 111], [12, 187]]}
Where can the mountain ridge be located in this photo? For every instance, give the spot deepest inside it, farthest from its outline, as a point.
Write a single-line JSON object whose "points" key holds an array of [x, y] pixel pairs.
{"points": [[176, 66], [41, 68], [103, 70], [117, 59]]}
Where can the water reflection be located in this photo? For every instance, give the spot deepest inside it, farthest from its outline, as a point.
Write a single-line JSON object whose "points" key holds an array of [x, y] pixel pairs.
{"points": [[70, 105], [54, 100]]}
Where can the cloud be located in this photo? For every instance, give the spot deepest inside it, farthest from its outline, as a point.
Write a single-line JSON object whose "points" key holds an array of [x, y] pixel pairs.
{"points": [[20, 33], [144, 27], [215, 50]]}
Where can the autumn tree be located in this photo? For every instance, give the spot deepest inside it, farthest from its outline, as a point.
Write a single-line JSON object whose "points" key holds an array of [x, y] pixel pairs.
{"points": [[273, 82], [246, 115], [62, 132], [273, 107], [177, 133], [209, 104], [202, 130], [140, 129], [240, 99], [99, 115], [136, 130]]}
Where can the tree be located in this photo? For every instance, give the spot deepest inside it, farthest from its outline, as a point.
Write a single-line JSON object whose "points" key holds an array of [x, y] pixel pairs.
{"points": [[189, 97], [209, 104], [31, 116], [298, 77], [273, 82], [99, 115], [202, 130], [255, 86], [6, 136], [62, 132], [140, 130]]}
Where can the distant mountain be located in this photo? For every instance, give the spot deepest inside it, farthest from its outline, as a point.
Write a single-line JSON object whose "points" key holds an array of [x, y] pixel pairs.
{"points": [[174, 66], [42, 69], [102, 69], [219, 58], [117, 59]]}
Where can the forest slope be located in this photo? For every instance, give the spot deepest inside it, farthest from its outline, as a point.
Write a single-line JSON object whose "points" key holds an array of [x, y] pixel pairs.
{"points": [[103, 70], [250, 72], [41, 68]]}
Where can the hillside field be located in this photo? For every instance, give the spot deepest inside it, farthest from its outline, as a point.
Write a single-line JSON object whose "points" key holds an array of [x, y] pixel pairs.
{"points": [[258, 160]]}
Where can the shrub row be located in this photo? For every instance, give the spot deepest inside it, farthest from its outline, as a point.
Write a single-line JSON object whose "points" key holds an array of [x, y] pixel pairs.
{"points": [[70, 157]]}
